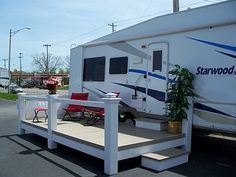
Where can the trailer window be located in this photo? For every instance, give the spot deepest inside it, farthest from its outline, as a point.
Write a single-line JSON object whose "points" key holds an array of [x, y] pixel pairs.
{"points": [[157, 60], [94, 69], [118, 65]]}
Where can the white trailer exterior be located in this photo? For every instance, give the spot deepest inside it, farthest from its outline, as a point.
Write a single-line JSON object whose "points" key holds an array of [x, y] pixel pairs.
{"points": [[135, 62], [4, 77]]}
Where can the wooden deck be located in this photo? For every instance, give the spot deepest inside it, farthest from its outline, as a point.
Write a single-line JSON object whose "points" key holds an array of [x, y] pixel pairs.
{"points": [[129, 137], [117, 142]]}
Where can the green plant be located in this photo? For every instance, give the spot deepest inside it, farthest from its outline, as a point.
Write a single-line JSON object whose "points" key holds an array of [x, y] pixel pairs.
{"points": [[179, 89]]}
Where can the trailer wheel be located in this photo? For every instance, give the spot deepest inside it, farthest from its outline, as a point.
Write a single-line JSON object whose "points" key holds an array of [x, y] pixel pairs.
{"points": [[130, 121], [127, 118]]}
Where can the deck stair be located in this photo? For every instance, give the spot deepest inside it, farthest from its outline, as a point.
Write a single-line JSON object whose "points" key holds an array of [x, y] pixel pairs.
{"points": [[164, 159], [153, 124]]}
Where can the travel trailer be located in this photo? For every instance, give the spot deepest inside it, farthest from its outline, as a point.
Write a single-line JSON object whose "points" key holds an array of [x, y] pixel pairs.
{"points": [[4, 77], [135, 62]]}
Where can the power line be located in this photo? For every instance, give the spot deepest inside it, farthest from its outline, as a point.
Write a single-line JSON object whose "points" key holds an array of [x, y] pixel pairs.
{"points": [[155, 14], [125, 21], [95, 29]]}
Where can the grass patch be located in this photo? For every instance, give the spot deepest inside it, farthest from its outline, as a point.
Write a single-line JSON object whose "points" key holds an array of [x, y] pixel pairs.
{"points": [[7, 96]]}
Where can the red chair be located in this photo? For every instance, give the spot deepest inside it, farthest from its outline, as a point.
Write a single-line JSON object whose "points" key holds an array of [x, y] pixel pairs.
{"points": [[76, 108], [37, 110], [96, 114]]}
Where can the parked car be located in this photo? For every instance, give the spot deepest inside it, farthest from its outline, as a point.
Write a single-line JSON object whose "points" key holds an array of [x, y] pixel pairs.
{"points": [[42, 86], [15, 89], [27, 84]]}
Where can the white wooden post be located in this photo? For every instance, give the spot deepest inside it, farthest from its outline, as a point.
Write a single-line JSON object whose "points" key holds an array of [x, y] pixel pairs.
{"points": [[52, 120], [21, 111], [111, 133], [187, 126]]}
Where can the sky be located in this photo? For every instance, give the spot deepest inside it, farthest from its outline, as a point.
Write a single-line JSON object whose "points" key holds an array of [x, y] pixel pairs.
{"points": [[67, 23]]}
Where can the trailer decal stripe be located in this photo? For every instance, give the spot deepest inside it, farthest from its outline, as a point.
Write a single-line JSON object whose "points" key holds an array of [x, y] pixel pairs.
{"points": [[230, 55], [209, 109], [158, 95], [137, 71], [149, 73], [156, 76], [227, 47]]}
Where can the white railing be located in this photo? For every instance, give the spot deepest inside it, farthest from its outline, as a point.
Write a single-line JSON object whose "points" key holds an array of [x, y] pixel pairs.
{"points": [[110, 104]]}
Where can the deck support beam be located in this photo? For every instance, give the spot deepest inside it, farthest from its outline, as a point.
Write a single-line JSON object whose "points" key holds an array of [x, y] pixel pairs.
{"points": [[187, 126], [52, 120], [111, 134]]}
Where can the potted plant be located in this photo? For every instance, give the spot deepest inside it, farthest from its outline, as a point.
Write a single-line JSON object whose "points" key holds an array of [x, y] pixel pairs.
{"points": [[179, 89], [51, 85]]}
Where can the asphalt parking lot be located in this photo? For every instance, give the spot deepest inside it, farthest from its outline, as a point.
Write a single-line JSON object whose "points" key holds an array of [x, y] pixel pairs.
{"points": [[37, 91], [27, 156]]}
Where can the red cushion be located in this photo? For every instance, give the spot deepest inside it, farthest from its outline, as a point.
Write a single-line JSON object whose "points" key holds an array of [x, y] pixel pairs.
{"points": [[41, 109], [72, 108], [79, 96], [75, 107]]}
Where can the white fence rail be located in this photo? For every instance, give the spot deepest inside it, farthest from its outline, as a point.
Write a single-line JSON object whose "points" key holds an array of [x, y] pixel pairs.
{"points": [[110, 104]]}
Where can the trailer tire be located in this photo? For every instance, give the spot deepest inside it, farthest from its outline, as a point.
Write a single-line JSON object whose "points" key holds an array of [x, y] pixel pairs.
{"points": [[127, 118]]}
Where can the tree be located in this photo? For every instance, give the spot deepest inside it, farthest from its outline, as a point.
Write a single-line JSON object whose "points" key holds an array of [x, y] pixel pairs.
{"points": [[61, 71], [67, 63], [65, 80], [40, 62]]}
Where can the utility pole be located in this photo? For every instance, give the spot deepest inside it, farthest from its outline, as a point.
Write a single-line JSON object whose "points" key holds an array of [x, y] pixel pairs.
{"points": [[9, 62], [47, 63], [12, 33], [112, 27], [175, 5], [5, 62], [20, 68]]}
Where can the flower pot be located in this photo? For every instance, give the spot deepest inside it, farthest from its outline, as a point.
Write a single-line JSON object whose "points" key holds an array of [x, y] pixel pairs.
{"points": [[174, 127], [50, 92]]}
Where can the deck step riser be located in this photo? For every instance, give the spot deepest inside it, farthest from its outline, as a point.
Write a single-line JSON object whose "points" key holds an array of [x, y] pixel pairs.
{"points": [[159, 126], [160, 165]]}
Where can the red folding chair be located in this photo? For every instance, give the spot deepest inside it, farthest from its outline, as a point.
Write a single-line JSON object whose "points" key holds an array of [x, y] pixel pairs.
{"points": [[76, 108], [37, 110], [96, 114]]}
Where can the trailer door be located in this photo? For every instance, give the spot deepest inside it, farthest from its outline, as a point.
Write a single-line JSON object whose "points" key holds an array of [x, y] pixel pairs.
{"points": [[156, 78]]}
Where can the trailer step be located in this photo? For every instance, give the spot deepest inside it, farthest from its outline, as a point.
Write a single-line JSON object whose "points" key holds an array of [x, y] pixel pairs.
{"points": [[153, 124], [164, 159]]}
